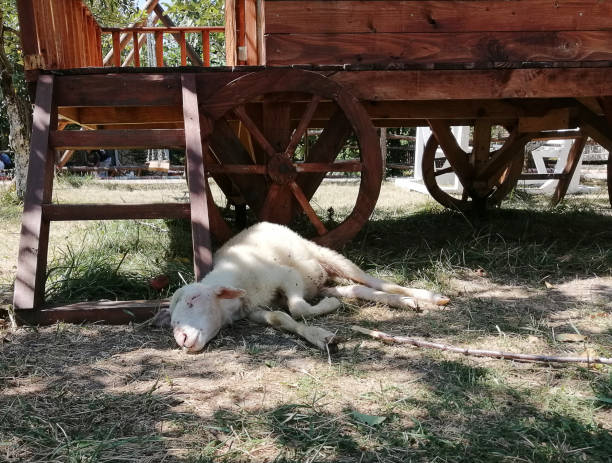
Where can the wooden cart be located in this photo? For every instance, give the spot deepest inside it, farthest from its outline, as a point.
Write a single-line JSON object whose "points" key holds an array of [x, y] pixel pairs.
{"points": [[347, 66]]}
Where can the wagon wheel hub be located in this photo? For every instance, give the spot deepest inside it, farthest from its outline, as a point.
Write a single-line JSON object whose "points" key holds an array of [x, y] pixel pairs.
{"points": [[281, 170]]}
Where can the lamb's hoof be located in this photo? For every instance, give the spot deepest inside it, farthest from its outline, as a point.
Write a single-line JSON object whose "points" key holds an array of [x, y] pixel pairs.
{"points": [[331, 343]]}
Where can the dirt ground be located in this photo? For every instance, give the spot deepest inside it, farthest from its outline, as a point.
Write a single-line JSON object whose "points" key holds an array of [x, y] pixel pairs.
{"points": [[99, 393]]}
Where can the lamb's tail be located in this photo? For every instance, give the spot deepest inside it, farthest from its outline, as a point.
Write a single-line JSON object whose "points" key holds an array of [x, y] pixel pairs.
{"points": [[338, 266]]}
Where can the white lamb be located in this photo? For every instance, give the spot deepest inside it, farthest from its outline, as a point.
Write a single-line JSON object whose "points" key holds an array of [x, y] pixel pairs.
{"points": [[264, 262]]}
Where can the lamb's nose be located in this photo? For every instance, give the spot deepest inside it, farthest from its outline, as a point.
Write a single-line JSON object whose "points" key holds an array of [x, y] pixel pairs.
{"points": [[180, 336]]}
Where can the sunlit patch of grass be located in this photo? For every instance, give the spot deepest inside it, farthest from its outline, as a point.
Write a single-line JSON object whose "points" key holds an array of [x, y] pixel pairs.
{"points": [[116, 260]]}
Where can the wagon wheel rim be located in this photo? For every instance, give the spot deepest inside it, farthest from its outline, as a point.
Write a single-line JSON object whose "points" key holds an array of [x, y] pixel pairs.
{"points": [[483, 186], [280, 170]]}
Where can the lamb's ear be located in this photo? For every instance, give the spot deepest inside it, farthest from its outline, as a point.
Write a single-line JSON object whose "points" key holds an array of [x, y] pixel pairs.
{"points": [[227, 292]]}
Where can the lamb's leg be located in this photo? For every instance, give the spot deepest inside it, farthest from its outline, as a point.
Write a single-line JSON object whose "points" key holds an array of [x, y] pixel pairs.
{"points": [[293, 287], [370, 294], [320, 337]]}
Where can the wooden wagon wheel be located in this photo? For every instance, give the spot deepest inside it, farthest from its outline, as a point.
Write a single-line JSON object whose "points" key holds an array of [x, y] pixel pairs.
{"points": [[274, 184], [487, 177]]}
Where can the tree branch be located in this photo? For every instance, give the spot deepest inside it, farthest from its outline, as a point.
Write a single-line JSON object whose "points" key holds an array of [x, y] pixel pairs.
{"points": [[389, 339]]}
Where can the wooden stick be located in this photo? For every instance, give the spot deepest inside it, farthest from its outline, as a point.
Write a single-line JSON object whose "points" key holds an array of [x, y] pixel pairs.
{"points": [[389, 339]]}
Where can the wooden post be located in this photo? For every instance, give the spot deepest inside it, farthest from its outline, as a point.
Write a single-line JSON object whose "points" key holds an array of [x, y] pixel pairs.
{"points": [[230, 33], [159, 49], [34, 241], [200, 226], [250, 32], [383, 148], [206, 47], [183, 46], [261, 30], [116, 49], [136, 50]]}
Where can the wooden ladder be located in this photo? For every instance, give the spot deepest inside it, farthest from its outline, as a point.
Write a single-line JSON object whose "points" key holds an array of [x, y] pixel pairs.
{"points": [[39, 211]]}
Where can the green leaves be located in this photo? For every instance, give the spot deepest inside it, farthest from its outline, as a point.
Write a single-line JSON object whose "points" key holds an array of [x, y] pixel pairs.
{"points": [[370, 420]]}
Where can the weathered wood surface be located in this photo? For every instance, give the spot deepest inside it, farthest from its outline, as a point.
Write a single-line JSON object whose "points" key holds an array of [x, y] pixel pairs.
{"points": [[460, 47], [110, 312], [32, 258], [125, 139], [316, 16], [198, 187], [62, 212]]}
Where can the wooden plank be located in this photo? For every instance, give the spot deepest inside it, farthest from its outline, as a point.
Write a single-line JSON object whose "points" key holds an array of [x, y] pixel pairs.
{"points": [[476, 84], [159, 49], [116, 49], [468, 47], [260, 31], [66, 212], [250, 32], [299, 17], [198, 187], [110, 312], [27, 27], [183, 47], [206, 48], [136, 49], [230, 33], [125, 139], [555, 119], [119, 90], [33, 244]]}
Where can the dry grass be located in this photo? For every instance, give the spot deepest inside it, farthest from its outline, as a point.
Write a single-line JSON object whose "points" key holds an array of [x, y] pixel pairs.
{"points": [[107, 394]]}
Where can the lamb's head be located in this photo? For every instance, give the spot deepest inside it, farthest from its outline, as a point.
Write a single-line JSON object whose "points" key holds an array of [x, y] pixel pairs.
{"points": [[197, 313]]}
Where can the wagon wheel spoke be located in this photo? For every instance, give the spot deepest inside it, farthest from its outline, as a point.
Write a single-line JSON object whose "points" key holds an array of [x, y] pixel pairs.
{"points": [[237, 169], [446, 170], [274, 193], [307, 208], [302, 126], [324, 167], [242, 115]]}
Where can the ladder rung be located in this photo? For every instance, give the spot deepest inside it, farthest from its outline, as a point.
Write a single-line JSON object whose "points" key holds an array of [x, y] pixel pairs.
{"points": [[127, 139], [64, 212]]}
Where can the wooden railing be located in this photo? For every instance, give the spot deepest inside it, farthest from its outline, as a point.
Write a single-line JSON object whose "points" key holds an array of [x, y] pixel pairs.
{"points": [[59, 34], [137, 35]]}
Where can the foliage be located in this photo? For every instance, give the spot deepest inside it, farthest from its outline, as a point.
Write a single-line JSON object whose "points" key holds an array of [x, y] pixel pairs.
{"points": [[14, 64]]}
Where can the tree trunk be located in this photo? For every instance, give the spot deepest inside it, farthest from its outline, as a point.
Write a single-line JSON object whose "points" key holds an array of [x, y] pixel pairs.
{"points": [[19, 114]]}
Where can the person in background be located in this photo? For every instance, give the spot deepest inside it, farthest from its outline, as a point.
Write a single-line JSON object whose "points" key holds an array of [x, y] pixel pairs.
{"points": [[5, 161]]}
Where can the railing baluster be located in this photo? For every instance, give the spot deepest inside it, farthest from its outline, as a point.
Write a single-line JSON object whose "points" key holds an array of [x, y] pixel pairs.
{"points": [[116, 49], [206, 47], [136, 49], [159, 48], [183, 46]]}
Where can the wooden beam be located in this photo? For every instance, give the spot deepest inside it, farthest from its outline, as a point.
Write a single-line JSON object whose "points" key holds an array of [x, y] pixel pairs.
{"points": [[476, 84], [230, 33], [119, 90], [368, 16], [65, 212], [110, 312], [124, 139], [33, 244], [432, 47], [198, 187]]}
